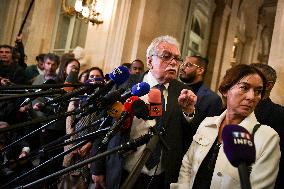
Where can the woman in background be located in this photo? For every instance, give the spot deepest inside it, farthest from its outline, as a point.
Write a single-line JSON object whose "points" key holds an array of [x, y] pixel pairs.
{"points": [[57, 129], [81, 177], [70, 64]]}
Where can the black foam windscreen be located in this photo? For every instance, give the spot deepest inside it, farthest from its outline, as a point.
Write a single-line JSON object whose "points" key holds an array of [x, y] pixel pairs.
{"points": [[140, 109]]}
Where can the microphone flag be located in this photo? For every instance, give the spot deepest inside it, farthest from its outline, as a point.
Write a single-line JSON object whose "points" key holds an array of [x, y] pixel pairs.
{"points": [[238, 145]]}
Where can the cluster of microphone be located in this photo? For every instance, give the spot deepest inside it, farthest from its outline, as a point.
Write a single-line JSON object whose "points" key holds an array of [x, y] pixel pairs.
{"points": [[123, 104], [101, 97]]}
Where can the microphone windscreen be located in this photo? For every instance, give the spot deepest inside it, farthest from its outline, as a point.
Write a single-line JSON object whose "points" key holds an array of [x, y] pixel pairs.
{"points": [[140, 109], [107, 77], [49, 81], [154, 96], [119, 75], [140, 89], [71, 78], [127, 106], [91, 82], [238, 145], [115, 110], [108, 99]]}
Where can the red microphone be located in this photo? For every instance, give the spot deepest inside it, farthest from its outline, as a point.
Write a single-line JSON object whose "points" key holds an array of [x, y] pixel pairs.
{"points": [[125, 120], [127, 107]]}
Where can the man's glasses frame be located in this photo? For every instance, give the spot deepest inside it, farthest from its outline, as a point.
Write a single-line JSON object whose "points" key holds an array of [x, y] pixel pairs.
{"points": [[168, 57], [189, 65]]}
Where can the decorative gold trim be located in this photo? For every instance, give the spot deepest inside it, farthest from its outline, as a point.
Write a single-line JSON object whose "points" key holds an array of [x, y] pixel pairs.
{"points": [[70, 11]]}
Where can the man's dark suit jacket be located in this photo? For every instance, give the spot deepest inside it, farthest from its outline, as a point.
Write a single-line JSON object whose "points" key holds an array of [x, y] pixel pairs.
{"points": [[272, 114], [208, 104], [178, 136]]}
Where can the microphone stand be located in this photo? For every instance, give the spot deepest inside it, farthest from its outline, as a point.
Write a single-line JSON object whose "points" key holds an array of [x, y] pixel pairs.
{"points": [[47, 86], [54, 119], [27, 135], [84, 113], [44, 164], [13, 92], [75, 132], [244, 176], [136, 171], [124, 147], [150, 147], [37, 94], [84, 139], [51, 148], [37, 121], [22, 125]]}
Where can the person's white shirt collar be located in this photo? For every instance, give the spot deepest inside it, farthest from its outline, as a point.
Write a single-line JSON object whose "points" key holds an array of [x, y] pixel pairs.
{"points": [[152, 81]]}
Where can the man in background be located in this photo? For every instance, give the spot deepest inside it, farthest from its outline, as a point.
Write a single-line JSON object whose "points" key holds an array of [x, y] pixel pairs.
{"points": [[34, 70], [137, 67], [271, 114], [192, 73], [10, 69], [51, 63]]}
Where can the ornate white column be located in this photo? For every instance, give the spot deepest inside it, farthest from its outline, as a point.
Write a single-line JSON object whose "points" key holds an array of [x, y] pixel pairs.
{"points": [[276, 56], [104, 43], [12, 18], [229, 39], [133, 32], [39, 30], [257, 44], [217, 43]]}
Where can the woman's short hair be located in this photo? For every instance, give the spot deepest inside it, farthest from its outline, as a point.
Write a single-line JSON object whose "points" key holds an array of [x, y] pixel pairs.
{"points": [[236, 73]]}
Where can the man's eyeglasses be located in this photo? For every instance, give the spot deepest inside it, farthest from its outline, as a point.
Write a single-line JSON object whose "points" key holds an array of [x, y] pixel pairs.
{"points": [[189, 65], [168, 57]]}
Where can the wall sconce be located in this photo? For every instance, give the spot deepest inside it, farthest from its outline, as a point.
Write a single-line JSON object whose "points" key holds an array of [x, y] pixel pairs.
{"points": [[83, 9]]}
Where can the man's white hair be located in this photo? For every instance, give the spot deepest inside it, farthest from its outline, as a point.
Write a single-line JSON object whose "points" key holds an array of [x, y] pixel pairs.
{"points": [[166, 38]]}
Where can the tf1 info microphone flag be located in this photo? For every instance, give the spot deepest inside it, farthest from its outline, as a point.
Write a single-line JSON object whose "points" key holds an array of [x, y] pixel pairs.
{"points": [[238, 145], [240, 150]]}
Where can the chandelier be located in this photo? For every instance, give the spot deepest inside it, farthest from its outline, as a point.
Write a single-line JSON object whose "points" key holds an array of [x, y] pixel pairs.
{"points": [[83, 9]]}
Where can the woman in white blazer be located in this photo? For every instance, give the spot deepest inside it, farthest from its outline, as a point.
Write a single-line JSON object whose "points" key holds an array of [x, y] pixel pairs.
{"points": [[205, 164]]}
